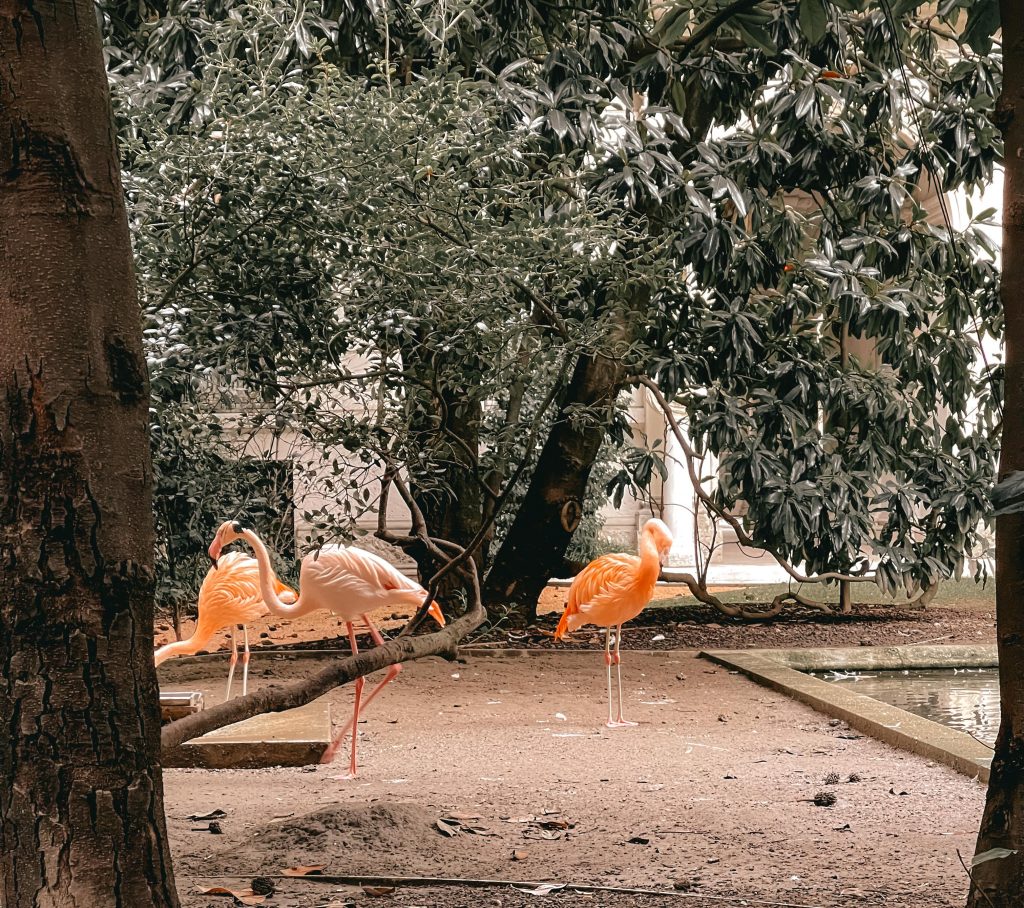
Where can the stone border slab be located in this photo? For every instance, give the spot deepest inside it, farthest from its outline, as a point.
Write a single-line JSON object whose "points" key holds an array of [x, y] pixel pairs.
{"points": [[294, 737], [778, 670]]}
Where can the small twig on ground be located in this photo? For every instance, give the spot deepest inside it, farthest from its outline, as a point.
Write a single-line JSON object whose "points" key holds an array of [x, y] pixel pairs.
{"points": [[976, 738], [932, 640], [970, 876]]}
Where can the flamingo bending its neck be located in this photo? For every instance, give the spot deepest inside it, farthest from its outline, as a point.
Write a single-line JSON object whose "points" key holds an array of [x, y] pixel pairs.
{"points": [[346, 580], [230, 596], [612, 590]]}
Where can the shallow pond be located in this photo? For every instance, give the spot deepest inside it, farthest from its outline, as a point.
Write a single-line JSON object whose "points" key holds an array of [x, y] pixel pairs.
{"points": [[965, 698]]}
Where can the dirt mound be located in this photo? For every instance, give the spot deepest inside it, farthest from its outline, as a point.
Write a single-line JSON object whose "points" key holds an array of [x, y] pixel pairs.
{"points": [[346, 827]]}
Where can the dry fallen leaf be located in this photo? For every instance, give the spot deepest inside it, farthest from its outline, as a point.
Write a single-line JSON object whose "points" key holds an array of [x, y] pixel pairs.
{"points": [[446, 829], [245, 896], [518, 855], [458, 817], [479, 830], [379, 890], [549, 835], [303, 870], [555, 824]]}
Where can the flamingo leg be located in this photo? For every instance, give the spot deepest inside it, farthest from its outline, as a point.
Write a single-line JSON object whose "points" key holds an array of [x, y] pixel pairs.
{"points": [[234, 662], [393, 672], [620, 722], [608, 665], [245, 660], [332, 748]]}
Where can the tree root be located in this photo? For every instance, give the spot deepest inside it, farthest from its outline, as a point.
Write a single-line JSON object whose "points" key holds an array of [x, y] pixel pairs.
{"points": [[925, 597], [730, 610]]}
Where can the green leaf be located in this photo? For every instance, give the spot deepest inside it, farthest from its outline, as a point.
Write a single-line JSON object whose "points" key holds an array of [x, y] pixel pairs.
{"points": [[755, 36], [813, 19], [982, 24], [672, 24]]}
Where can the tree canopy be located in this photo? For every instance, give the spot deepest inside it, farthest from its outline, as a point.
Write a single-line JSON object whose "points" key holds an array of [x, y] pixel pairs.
{"points": [[478, 225]]}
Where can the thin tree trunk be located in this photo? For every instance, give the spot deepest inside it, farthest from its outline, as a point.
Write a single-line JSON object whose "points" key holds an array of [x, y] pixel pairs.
{"points": [[845, 597], [553, 505], [455, 512], [445, 425], [81, 794], [999, 883]]}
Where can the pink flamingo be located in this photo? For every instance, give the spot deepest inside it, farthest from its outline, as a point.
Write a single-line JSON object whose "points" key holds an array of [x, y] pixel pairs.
{"points": [[230, 596], [346, 580], [612, 590]]}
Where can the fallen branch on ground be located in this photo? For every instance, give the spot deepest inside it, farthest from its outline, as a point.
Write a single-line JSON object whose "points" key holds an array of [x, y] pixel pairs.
{"points": [[421, 881], [279, 697]]}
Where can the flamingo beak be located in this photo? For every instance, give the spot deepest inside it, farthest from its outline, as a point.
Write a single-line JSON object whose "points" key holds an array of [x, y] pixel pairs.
{"points": [[214, 551]]}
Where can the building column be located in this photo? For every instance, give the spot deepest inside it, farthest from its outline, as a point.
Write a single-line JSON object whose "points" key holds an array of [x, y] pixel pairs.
{"points": [[679, 505]]}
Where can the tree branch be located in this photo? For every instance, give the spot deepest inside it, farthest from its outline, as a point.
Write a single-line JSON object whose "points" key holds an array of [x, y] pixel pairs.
{"points": [[690, 42], [279, 697]]}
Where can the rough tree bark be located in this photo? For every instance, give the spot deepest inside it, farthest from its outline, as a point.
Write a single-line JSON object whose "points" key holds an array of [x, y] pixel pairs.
{"points": [[81, 794], [999, 883], [553, 505]]}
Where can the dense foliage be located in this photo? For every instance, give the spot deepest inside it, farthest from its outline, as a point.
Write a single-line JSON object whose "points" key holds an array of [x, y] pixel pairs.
{"points": [[336, 261], [434, 213]]}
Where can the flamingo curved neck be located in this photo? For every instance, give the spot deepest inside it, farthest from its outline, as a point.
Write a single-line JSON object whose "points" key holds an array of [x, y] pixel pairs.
{"points": [[267, 578], [650, 559], [268, 585]]}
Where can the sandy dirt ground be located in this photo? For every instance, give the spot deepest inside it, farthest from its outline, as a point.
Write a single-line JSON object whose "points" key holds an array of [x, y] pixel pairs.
{"points": [[709, 796]]}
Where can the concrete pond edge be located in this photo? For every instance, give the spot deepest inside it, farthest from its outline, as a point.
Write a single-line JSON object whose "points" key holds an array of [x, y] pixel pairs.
{"points": [[784, 671]]}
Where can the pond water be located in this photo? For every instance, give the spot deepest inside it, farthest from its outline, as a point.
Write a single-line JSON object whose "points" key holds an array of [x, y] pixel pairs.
{"points": [[965, 698]]}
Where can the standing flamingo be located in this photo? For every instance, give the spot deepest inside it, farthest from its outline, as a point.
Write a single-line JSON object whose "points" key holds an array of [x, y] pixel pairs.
{"points": [[348, 581], [612, 590], [230, 596]]}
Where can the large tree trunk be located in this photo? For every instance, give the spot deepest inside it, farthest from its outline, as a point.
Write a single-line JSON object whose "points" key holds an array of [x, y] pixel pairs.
{"points": [[81, 794], [553, 505], [999, 883]]}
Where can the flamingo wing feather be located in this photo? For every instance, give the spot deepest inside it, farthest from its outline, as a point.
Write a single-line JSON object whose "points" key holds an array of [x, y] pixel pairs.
{"points": [[352, 581], [231, 593], [600, 593]]}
